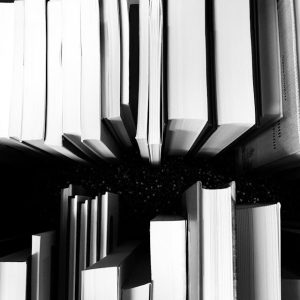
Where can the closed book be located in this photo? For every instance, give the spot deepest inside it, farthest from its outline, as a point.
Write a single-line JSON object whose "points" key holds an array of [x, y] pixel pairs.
{"points": [[247, 75], [11, 71], [42, 251], [15, 276], [168, 257], [114, 97], [258, 252], [94, 133], [211, 242], [54, 113], [187, 74], [278, 147]]}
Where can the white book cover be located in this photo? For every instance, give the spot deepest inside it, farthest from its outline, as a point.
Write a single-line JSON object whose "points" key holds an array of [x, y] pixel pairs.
{"points": [[7, 34], [41, 265], [34, 101]]}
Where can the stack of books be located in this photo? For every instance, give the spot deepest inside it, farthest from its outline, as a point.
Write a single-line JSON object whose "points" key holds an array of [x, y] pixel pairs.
{"points": [[85, 79], [31, 268], [216, 249]]}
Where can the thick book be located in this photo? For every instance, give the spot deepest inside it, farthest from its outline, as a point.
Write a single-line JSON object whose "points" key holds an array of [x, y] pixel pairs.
{"points": [[247, 72], [211, 242], [168, 254], [258, 252], [15, 276], [187, 74], [278, 147], [71, 60], [155, 120], [150, 119], [42, 254], [104, 279], [143, 94], [11, 54], [54, 113], [95, 134], [114, 100]]}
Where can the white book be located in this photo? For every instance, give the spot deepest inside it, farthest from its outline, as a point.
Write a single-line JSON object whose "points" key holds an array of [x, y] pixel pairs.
{"points": [[15, 118], [109, 223], [235, 103], [82, 247], [34, 97], [41, 265], [73, 244], [65, 214], [155, 80], [71, 75], [168, 257], [11, 53], [211, 242], [258, 252], [187, 74], [54, 117], [111, 79], [94, 230], [14, 276], [143, 102], [104, 279], [94, 134]]}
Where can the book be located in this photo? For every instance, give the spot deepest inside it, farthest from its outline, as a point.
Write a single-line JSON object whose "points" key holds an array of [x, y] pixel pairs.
{"points": [[187, 84], [95, 222], [258, 252], [112, 94], [10, 32], [54, 113], [155, 122], [34, 96], [129, 16], [247, 75], [95, 134], [143, 95], [64, 236], [109, 223], [168, 257], [278, 146], [83, 237], [138, 286], [14, 276], [211, 242], [104, 279], [74, 245], [71, 76], [7, 61], [42, 265]]}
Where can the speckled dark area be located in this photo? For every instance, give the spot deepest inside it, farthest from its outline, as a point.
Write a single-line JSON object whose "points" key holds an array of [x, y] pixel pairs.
{"points": [[32, 200]]}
